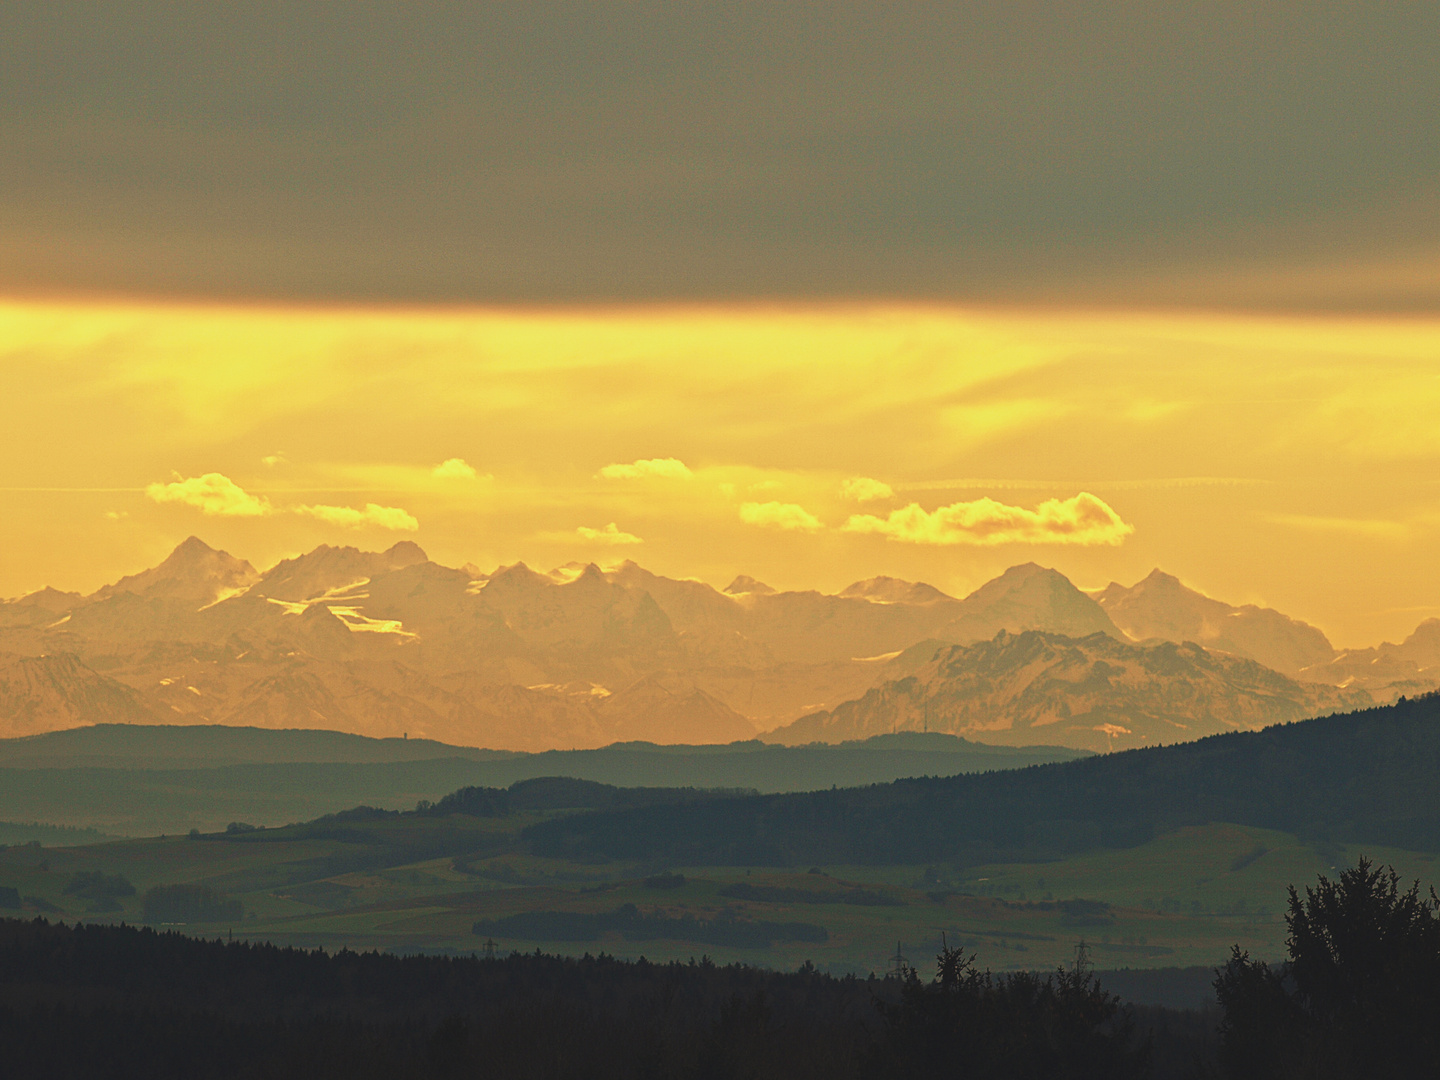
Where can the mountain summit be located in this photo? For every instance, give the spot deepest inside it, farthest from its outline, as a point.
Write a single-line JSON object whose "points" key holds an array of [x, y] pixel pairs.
{"points": [[193, 573], [327, 568], [889, 590], [1160, 606], [1028, 597]]}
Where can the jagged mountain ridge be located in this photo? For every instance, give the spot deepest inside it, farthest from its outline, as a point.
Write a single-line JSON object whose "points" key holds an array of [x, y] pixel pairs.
{"points": [[1094, 692], [1386, 670], [382, 643]]}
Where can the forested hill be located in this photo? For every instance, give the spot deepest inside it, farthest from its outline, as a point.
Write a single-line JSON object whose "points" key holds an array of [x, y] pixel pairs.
{"points": [[1367, 777]]}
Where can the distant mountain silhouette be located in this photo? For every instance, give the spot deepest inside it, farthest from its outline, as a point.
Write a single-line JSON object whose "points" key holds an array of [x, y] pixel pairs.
{"points": [[194, 573], [1386, 670], [385, 643], [49, 693], [1028, 597], [744, 583], [889, 590], [1094, 692], [327, 568], [1161, 607]]}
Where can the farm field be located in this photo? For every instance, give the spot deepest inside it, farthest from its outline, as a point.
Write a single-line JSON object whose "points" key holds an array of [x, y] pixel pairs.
{"points": [[417, 882]]}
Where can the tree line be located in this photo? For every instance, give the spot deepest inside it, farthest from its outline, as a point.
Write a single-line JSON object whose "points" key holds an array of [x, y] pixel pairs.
{"points": [[1356, 998]]}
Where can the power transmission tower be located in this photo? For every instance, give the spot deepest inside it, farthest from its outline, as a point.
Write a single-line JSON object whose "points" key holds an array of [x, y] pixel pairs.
{"points": [[899, 966]]}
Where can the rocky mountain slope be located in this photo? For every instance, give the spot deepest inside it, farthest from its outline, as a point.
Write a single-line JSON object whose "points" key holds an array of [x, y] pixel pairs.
{"points": [[1093, 692], [51, 693]]}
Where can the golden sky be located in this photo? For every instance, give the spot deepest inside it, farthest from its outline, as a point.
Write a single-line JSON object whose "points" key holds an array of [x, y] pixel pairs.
{"points": [[1290, 461]]}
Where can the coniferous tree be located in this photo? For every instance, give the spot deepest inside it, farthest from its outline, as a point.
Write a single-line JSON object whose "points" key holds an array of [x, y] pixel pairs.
{"points": [[1020, 1026], [1359, 996]]}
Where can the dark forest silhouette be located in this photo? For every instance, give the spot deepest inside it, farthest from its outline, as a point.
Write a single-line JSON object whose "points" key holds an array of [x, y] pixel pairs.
{"points": [[115, 1001], [1356, 998], [1359, 996]]}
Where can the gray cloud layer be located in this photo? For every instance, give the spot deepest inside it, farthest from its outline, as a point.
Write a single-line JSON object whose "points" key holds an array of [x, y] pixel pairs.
{"points": [[1271, 153]]}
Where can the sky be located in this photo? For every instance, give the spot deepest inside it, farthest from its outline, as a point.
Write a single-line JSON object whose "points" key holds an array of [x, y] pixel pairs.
{"points": [[811, 292], [1229, 153], [1280, 459]]}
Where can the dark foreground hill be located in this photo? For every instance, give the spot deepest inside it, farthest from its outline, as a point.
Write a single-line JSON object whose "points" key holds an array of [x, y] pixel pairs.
{"points": [[1364, 777], [119, 1002]]}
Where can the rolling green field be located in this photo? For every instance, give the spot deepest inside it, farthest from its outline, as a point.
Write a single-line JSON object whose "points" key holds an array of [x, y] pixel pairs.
{"points": [[417, 882]]}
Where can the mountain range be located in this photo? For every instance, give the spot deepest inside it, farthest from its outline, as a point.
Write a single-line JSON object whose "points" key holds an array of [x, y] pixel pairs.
{"points": [[390, 643]]}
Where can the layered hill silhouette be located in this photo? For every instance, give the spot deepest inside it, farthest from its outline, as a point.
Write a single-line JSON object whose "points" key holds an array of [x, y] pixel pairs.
{"points": [[390, 643], [144, 780], [1361, 778]]}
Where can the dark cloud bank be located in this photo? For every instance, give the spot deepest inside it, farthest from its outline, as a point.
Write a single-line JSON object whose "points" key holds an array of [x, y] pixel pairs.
{"points": [[1278, 153]]}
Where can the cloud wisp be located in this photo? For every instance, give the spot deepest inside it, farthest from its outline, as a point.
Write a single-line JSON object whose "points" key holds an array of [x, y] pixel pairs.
{"points": [[372, 514], [454, 469], [777, 515], [1365, 528], [864, 489], [213, 493], [1082, 520], [662, 468], [219, 496], [610, 534]]}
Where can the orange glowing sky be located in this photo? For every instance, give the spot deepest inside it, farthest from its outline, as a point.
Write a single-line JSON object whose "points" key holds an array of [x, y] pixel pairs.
{"points": [[874, 288], [1292, 461]]}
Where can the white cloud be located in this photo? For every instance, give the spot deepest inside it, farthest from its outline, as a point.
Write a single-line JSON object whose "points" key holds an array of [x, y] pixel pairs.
{"points": [[666, 468], [1082, 519], [780, 516], [217, 494], [864, 489], [277, 458], [212, 493], [610, 534], [454, 469], [380, 517]]}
